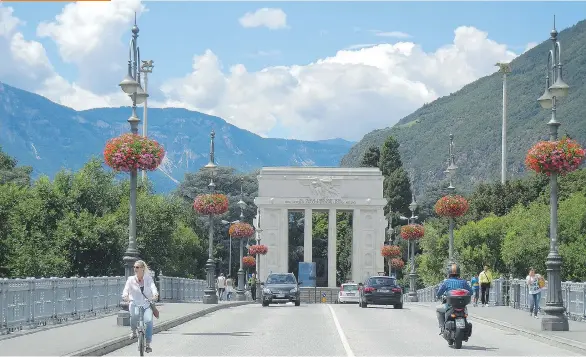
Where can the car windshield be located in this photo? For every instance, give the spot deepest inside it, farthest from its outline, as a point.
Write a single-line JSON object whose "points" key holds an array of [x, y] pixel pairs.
{"points": [[281, 279], [350, 287], [382, 281]]}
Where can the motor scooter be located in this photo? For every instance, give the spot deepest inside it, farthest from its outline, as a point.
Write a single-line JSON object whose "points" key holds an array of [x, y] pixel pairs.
{"points": [[457, 329]]}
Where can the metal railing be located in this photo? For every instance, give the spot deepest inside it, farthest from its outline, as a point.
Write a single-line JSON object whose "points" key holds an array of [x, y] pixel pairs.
{"points": [[31, 303], [515, 293], [181, 289]]}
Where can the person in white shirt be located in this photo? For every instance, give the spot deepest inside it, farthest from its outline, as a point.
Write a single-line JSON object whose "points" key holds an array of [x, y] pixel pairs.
{"points": [[221, 286], [534, 292], [229, 288], [136, 298]]}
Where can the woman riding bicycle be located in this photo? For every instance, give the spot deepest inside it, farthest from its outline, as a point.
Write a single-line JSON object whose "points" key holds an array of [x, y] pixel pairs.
{"points": [[138, 297]]}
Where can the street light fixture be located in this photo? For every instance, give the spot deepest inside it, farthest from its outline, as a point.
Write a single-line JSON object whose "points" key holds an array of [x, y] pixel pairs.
{"points": [[131, 86], [240, 296], [258, 238], [224, 222], [451, 171], [555, 318], [210, 296]]}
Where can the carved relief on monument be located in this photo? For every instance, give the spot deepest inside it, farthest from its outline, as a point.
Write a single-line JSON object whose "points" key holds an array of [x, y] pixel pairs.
{"points": [[369, 239], [322, 187], [368, 260]]}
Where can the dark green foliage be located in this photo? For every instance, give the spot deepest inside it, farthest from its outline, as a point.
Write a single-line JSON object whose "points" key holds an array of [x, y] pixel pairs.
{"points": [[371, 158]]}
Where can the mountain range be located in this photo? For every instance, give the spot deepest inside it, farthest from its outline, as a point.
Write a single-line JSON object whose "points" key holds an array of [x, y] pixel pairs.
{"points": [[49, 137], [474, 116]]}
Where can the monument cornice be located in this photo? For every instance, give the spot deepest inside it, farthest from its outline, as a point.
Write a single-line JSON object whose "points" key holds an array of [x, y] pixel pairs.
{"points": [[309, 202]]}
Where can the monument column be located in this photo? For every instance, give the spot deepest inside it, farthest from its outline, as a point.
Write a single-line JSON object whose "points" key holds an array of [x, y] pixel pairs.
{"points": [[332, 238], [308, 236], [356, 247]]}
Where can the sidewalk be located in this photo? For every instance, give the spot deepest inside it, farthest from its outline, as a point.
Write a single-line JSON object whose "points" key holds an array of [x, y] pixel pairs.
{"points": [[520, 321], [102, 335]]}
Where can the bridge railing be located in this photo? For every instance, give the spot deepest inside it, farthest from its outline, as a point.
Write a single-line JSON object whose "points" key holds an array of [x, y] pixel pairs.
{"points": [[515, 293], [31, 303]]}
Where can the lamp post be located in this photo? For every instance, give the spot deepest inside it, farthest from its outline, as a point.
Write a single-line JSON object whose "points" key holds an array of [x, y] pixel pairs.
{"points": [[555, 319], [241, 276], [131, 86], [224, 222], [504, 68], [146, 68], [413, 273], [451, 171], [210, 296], [258, 237]]}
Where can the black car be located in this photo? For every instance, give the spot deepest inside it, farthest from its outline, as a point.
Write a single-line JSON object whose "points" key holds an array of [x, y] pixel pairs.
{"points": [[381, 290], [280, 289]]}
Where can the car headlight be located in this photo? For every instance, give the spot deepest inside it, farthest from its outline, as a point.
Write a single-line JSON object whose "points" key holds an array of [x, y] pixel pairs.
{"points": [[266, 291], [294, 290]]}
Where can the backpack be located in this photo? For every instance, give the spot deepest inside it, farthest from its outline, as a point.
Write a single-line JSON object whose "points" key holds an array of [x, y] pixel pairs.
{"points": [[541, 282]]}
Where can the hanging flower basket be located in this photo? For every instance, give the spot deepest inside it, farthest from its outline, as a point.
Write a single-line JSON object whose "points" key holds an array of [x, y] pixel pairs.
{"points": [[397, 263], [412, 231], [560, 157], [241, 230], [258, 249], [214, 203], [249, 261], [133, 152], [451, 206], [390, 251]]}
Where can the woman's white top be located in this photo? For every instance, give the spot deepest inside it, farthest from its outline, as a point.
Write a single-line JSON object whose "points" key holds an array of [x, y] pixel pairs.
{"points": [[229, 285], [533, 283], [132, 290]]}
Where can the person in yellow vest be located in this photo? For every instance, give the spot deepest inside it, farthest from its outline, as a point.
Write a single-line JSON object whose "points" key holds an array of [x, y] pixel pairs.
{"points": [[485, 278]]}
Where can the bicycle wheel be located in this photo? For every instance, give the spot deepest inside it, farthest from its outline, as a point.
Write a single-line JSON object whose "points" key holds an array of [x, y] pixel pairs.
{"points": [[141, 343]]}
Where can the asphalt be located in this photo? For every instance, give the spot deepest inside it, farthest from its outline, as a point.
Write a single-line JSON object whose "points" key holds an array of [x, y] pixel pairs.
{"points": [[333, 330]]}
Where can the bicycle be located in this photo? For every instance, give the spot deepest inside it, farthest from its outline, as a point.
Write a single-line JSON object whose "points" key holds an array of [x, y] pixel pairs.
{"points": [[140, 329]]}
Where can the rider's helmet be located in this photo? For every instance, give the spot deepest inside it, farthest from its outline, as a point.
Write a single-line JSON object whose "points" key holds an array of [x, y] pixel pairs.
{"points": [[453, 270]]}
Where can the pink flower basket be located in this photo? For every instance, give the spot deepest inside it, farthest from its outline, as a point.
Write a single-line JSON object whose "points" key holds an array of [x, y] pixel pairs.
{"points": [[133, 152]]}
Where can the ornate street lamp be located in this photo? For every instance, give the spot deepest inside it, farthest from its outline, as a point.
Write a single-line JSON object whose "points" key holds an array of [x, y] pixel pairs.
{"points": [[555, 319]]}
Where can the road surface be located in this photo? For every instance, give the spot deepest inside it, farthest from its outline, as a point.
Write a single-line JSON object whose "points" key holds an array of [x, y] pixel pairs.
{"points": [[332, 330]]}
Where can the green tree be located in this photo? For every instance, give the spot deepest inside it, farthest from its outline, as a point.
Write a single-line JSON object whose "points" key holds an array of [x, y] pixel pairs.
{"points": [[11, 173], [396, 186], [371, 157]]}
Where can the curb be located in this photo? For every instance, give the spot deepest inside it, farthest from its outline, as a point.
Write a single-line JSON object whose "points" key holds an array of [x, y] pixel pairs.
{"points": [[119, 342], [562, 342]]}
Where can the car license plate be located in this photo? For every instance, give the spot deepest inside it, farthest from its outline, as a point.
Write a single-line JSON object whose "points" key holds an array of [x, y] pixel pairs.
{"points": [[460, 323], [350, 294], [384, 290], [280, 295]]}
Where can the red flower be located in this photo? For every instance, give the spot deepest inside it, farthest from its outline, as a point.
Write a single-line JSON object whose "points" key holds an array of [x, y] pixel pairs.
{"points": [[451, 206], [397, 263], [249, 261], [214, 203], [240, 230], [258, 249], [412, 231], [547, 157], [390, 251], [133, 152]]}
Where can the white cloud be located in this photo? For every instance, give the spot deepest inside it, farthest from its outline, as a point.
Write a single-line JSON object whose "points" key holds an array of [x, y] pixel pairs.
{"points": [[25, 63], [89, 35], [395, 34], [345, 95], [272, 18]]}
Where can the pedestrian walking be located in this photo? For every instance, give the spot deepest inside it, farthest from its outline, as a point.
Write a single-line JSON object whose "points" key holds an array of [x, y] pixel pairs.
{"points": [[535, 283], [229, 288], [476, 288], [485, 278], [252, 284], [221, 286]]}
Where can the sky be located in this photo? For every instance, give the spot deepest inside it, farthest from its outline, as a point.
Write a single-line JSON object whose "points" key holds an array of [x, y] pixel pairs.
{"points": [[296, 70]]}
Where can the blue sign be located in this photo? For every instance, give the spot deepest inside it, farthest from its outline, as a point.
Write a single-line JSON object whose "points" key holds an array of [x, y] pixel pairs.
{"points": [[307, 274], [323, 294]]}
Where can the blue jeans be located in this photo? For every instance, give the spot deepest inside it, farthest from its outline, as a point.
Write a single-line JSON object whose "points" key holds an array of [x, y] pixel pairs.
{"points": [[534, 303], [148, 321]]}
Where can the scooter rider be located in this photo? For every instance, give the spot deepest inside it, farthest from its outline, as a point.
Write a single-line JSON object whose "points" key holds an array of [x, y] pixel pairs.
{"points": [[453, 282]]}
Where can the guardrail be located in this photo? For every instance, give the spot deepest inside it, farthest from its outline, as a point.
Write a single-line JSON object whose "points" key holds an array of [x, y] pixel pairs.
{"points": [[515, 293], [30, 303]]}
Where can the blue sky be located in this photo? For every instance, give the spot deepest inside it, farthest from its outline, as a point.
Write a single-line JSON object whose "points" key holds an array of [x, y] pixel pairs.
{"points": [[172, 33]]}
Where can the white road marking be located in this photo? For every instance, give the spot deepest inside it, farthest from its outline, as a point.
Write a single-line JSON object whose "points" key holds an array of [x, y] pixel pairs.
{"points": [[345, 343]]}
